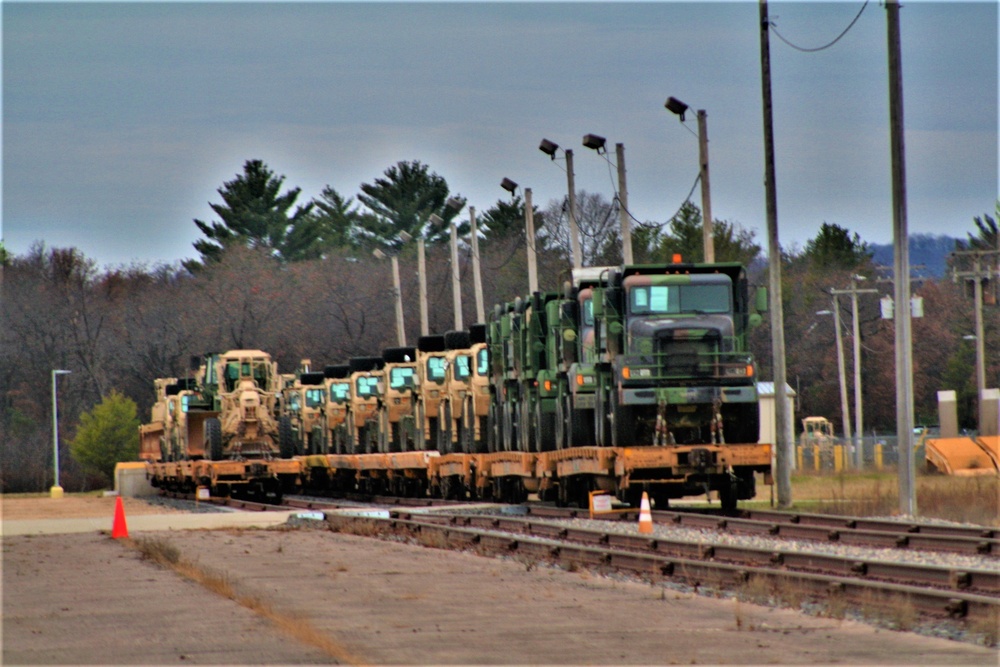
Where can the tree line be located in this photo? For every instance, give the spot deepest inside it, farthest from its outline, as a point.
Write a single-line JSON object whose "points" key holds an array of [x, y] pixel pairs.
{"points": [[300, 281]]}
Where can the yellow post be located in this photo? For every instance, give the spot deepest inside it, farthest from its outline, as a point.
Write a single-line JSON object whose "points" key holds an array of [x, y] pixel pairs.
{"points": [[798, 457], [816, 457], [878, 456], [838, 458]]}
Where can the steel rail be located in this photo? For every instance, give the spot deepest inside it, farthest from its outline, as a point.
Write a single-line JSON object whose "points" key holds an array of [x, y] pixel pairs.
{"points": [[841, 534], [696, 573], [944, 577]]}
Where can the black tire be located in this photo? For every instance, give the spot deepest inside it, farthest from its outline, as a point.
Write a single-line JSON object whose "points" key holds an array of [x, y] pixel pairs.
{"points": [[728, 493], [525, 429], [602, 437], [213, 439], [419, 439], [444, 440], [467, 428], [561, 422], [545, 429], [622, 423], [508, 427], [286, 438]]}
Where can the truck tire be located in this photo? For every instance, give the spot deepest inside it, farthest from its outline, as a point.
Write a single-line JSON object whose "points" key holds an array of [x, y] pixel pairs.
{"points": [[213, 439], [622, 423], [286, 439]]}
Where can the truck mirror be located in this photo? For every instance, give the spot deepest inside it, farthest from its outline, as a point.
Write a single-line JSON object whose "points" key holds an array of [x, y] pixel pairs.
{"points": [[755, 320], [569, 335], [597, 303]]}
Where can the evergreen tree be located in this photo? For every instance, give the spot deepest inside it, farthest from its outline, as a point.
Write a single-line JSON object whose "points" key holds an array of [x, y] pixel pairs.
{"points": [[403, 201], [255, 214], [835, 248]]}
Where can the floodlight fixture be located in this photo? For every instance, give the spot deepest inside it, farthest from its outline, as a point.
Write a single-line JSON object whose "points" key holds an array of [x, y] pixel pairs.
{"points": [[405, 237], [435, 219], [549, 148], [454, 203], [378, 254], [508, 185], [594, 141], [674, 105]]}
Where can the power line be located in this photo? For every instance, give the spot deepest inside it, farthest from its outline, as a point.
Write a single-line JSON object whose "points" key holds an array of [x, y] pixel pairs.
{"points": [[825, 46]]}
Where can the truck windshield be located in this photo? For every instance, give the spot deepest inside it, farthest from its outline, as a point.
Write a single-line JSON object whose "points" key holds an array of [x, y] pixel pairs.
{"points": [[367, 386], [435, 369], [339, 391], [314, 398], [483, 362], [678, 299], [588, 312], [293, 401], [463, 366], [401, 378]]}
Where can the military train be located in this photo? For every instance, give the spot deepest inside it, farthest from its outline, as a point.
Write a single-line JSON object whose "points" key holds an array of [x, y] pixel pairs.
{"points": [[631, 379]]}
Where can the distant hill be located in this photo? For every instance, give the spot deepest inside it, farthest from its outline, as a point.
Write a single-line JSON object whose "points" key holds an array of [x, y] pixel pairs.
{"points": [[927, 250]]}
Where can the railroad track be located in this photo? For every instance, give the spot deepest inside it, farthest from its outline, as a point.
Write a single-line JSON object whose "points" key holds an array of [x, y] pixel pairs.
{"points": [[853, 531], [931, 591]]}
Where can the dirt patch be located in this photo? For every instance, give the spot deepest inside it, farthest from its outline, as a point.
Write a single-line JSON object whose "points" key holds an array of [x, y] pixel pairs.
{"points": [[72, 506]]}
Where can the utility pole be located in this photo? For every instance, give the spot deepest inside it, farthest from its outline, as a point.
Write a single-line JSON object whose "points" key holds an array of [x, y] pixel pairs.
{"points": [[529, 232], [456, 283], [623, 205], [574, 230], [901, 265], [842, 372], [477, 277], [977, 275], [706, 193], [859, 429], [422, 278], [782, 411]]}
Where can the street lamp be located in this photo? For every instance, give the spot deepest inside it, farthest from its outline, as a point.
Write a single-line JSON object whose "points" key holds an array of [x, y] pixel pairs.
{"points": [[596, 142], [675, 106], [529, 232], [56, 491], [456, 287], [550, 148]]}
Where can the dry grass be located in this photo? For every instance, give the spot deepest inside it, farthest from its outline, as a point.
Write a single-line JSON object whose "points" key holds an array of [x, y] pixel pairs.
{"points": [[987, 628], [966, 499], [167, 555]]}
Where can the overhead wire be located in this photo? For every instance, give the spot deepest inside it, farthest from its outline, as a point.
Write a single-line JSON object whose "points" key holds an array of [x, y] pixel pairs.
{"points": [[774, 29]]}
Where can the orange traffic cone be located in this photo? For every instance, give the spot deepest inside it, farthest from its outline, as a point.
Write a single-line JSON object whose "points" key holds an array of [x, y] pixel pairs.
{"points": [[119, 529], [645, 518]]}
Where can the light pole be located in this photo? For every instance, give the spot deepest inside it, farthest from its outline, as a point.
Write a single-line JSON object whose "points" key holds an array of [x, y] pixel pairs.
{"points": [[597, 142], [397, 292], [529, 232], [842, 373], [456, 286], [674, 105], [56, 491], [477, 277], [550, 148]]}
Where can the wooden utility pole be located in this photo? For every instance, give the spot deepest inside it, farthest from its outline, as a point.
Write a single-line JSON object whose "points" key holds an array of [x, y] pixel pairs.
{"points": [[456, 282], [859, 430], [901, 264], [529, 235], [977, 275], [782, 411], [706, 190], [422, 279], [623, 205], [574, 230], [477, 277]]}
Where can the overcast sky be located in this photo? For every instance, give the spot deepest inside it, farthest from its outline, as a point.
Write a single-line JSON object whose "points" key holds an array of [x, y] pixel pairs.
{"points": [[120, 121]]}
